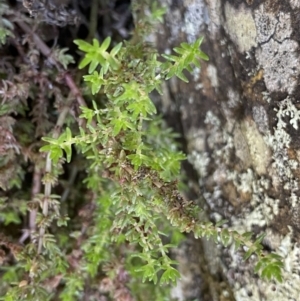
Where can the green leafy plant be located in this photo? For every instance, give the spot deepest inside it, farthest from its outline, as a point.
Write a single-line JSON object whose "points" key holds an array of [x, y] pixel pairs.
{"points": [[118, 144], [131, 210]]}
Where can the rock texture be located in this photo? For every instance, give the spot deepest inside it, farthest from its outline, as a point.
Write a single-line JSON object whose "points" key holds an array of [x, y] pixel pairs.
{"points": [[239, 117]]}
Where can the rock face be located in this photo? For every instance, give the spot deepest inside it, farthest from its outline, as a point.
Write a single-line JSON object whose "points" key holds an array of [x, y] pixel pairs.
{"points": [[239, 117]]}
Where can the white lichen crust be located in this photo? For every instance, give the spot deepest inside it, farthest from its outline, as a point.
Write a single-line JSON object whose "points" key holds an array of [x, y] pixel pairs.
{"points": [[280, 62], [252, 186]]}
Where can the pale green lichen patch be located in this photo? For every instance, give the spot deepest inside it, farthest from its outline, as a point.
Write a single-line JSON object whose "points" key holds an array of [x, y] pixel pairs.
{"points": [[213, 75], [215, 16], [196, 140], [259, 151], [200, 162], [272, 25], [240, 26], [261, 118], [250, 146], [277, 53], [241, 147], [280, 62], [195, 16], [265, 24], [242, 180], [283, 28], [233, 101]]}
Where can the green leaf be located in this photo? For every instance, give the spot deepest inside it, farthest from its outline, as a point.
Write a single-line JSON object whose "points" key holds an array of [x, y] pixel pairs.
{"points": [[93, 65], [83, 45], [68, 149], [271, 271], [149, 272], [221, 223], [95, 44], [247, 235], [249, 253], [203, 56], [46, 148], [86, 60], [225, 237], [10, 217], [137, 160], [68, 134], [179, 50], [259, 239], [199, 42], [171, 73], [116, 49], [170, 275], [118, 125], [237, 244], [182, 77], [56, 153], [105, 44], [169, 57], [50, 140], [87, 114]]}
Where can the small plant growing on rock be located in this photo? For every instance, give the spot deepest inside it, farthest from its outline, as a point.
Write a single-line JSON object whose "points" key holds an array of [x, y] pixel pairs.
{"points": [[131, 209]]}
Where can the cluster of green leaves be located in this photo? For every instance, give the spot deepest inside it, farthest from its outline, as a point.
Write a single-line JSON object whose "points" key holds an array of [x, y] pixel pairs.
{"points": [[268, 265], [189, 56], [119, 144]]}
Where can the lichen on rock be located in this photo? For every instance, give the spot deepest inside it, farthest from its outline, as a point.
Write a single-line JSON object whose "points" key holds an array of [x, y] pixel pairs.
{"points": [[241, 26]]}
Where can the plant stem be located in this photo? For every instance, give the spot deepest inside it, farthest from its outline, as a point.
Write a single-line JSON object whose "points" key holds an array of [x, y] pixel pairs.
{"points": [[48, 169], [93, 20]]}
